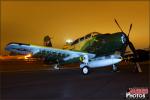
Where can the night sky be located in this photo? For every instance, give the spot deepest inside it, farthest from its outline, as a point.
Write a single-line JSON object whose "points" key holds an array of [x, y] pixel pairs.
{"points": [[30, 21]]}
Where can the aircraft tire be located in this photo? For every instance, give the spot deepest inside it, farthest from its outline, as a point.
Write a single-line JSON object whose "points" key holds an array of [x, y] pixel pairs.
{"points": [[85, 70]]}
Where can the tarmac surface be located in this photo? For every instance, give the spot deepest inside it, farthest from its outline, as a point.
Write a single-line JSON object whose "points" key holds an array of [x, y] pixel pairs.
{"points": [[30, 80]]}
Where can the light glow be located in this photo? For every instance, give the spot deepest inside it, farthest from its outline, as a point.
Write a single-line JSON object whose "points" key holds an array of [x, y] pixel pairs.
{"points": [[27, 56], [69, 41]]}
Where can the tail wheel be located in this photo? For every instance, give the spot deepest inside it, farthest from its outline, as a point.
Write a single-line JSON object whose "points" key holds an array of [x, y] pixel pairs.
{"points": [[56, 66], [85, 70]]}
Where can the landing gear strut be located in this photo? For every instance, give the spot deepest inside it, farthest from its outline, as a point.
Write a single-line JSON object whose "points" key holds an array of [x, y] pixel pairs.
{"points": [[115, 68]]}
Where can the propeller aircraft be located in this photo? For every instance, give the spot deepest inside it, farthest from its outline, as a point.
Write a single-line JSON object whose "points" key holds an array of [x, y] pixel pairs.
{"points": [[91, 51]]}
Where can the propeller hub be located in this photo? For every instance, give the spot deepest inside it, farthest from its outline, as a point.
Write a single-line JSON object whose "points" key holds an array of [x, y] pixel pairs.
{"points": [[123, 38]]}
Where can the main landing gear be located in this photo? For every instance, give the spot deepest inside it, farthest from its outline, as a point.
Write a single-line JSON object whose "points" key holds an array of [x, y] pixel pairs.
{"points": [[85, 70], [115, 68]]}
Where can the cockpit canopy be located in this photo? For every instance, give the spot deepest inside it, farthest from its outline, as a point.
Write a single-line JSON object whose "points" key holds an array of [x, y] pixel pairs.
{"points": [[90, 35]]}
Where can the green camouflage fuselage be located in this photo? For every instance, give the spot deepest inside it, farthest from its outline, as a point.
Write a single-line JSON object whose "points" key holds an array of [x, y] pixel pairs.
{"points": [[100, 44], [105, 44]]}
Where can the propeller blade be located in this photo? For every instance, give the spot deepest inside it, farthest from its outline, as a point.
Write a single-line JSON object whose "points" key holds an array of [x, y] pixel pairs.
{"points": [[130, 30], [133, 49], [118, 25], [124, 50]]}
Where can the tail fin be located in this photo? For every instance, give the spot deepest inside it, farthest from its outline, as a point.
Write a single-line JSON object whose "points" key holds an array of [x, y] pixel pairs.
{"points": [[47, 41]]}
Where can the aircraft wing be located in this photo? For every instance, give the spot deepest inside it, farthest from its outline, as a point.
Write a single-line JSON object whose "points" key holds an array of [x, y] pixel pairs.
{"points": [[21, 48]]}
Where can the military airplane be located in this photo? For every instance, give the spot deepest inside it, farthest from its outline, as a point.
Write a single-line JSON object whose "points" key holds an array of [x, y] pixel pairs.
{"points": [[91, 51]]}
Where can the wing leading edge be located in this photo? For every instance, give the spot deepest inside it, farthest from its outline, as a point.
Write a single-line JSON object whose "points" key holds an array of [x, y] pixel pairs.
{"points": [[21, 48]]}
